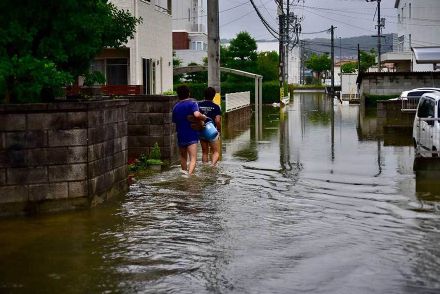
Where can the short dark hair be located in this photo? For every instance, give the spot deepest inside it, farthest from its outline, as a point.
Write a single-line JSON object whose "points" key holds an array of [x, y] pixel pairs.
{"points": [[210, 93], [182, 92]]}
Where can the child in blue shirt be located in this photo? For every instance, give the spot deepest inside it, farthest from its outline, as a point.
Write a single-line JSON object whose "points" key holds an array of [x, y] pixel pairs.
{"points": [[187, 137], [213, 111]]}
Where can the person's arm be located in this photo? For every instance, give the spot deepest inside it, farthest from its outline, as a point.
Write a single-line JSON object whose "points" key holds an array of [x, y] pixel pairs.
{"points": [[218, 123], [200, 116]]}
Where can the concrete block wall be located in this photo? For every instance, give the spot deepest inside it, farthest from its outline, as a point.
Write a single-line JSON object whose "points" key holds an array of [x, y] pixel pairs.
{"points": [[393, 83], [150, 121], [389, 114], [61, 156]]}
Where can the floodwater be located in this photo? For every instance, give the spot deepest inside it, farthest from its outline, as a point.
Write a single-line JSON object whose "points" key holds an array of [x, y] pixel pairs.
{"points": [[314, 199]]}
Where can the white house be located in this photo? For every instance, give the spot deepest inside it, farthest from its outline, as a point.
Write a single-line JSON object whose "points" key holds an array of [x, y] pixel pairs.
{"points": [[190, 38], [146, 60], [418, 25]]}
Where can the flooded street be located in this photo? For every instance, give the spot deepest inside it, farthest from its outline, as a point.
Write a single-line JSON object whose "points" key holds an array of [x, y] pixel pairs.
{"points": [[314, 201]]}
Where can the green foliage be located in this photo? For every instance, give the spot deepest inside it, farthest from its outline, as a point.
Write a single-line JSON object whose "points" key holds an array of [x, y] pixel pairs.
{"points": [[94, 78], [271, 90], [371, 100], [177, 62], [350, 67], [367, 60], [318, 63], [155, 152], [267, 65], [196, 77], [43, 46], [170, 93], [241, 54]]}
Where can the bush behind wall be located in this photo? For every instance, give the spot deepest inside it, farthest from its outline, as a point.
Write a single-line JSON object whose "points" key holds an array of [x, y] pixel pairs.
{"points": [[270, 90]]}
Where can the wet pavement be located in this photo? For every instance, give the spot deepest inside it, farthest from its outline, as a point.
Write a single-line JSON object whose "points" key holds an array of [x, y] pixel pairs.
{"points": [[317, 200]]}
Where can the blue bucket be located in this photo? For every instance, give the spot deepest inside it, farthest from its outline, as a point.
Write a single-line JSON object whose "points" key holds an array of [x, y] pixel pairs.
{"points": [[209, 132]]}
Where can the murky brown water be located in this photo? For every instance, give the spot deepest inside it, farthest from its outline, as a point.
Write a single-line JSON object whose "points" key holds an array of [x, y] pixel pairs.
{"points": [[316, 202]]}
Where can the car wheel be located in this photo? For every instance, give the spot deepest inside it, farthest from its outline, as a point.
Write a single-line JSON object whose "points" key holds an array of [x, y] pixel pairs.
{"points": [[434, 153]]}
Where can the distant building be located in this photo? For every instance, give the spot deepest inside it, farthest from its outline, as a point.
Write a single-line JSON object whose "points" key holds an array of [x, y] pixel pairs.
{"points": [[190, 38], [418, 25], [146, 60], [294, 66]]}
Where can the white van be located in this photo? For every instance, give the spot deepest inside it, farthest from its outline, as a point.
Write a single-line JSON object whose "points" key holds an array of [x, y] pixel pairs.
{"points": [[426, 126]]}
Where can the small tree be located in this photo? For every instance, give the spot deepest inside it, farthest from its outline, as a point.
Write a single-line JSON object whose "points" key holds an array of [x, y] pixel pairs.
{"points": [[43, 46], [318, 63], [368, 59], [350, 67]]}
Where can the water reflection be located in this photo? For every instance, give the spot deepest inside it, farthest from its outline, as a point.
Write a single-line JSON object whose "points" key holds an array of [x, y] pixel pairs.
{"points": [[302, 202]]}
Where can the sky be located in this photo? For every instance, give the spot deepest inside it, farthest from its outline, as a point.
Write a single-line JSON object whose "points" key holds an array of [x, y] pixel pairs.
{"points": [[351, 17]]}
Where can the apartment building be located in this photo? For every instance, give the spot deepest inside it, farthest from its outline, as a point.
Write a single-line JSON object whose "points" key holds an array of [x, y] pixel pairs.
{"points": [[190, 38], [418, 25]]}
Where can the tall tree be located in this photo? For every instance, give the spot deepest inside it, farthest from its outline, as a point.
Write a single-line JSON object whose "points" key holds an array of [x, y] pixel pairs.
{"points": [[368, 59], [242, 52], [318, 63], [45, 44], [267, 65]]}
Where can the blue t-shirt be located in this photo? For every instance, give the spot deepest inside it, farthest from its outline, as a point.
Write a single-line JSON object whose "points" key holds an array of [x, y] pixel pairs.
{"points": [[185, 134], [210, 109]]}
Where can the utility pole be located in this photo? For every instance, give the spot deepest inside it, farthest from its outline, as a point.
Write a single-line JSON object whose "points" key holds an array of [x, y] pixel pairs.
{"points": [[214, 47], [333, 60], [359, 59], [287, 43], [380, 24], [340, 62], [281, 44]]}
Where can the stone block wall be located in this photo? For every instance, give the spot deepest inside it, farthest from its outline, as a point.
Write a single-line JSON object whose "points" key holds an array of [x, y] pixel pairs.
{"points": [[150, 121], [61, 156]]}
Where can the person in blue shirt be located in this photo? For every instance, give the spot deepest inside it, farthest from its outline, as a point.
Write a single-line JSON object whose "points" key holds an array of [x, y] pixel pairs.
{"points": [[187, 136], [212, 111]]}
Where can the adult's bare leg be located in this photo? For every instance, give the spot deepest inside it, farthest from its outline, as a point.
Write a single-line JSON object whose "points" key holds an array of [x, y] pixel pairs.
{"points": [[215, 151], [192, 151], [205, 151], [183, 153]]}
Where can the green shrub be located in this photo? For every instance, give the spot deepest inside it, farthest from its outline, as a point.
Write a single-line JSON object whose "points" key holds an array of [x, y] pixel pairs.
{"points": [[155, 152], [270, 89], [372, 99]]}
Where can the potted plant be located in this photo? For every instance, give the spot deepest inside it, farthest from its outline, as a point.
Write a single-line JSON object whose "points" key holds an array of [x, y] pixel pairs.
{"points": [[154, 162]]}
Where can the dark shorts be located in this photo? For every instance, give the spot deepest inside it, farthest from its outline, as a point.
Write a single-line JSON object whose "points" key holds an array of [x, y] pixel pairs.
{"points": [[186, 144]]}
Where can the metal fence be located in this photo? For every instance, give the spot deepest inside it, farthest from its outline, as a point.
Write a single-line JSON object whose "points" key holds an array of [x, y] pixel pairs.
{"points": [[410, 104], [427, 137], [237, 100]]}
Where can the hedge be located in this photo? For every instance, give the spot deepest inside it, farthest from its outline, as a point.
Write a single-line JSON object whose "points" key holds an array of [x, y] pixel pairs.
{"points": [[271, 90], [372, 99]]}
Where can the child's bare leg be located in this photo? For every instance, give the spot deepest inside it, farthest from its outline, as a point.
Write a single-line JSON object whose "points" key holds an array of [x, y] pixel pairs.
{"points": [[215, 151], [205, 151]]}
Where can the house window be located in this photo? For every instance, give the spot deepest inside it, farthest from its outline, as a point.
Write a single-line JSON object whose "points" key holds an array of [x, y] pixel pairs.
{"points": [[117, 71], [410, 40], [409, 12], [199, 46], [398, 19], [189, 14]]}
